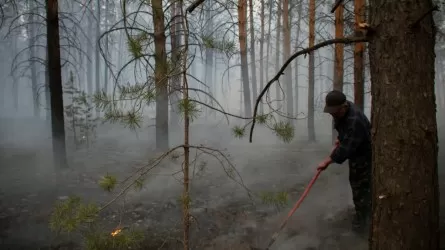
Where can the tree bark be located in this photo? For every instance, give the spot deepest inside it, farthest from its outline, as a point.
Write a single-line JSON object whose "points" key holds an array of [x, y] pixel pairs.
{"points": [[297, 42], [339, 57], [242, 16], [252, 52], [175, 81], [47, 89], [288, 71], [311, 107], [404, 129], [55, 83], [359, 48], [261, 54], [161, 81]]}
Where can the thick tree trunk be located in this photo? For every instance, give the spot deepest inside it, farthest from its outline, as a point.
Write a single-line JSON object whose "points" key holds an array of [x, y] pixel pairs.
{"points": [[339, 57], [404, 133], [252, 52], [55, 83], [242, 16], [161, 70], [310, 98], [262, 54], [359, 48], [288, 71]]}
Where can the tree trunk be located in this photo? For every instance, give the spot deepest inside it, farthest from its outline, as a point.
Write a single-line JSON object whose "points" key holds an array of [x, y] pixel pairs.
{"points": [[89, 55], [242, 16], [262, 54], [339, 57], [55, 83], [47, 91], [97, 56], [269, 31], [252, 53], [288, 71], [120, 58], [107, 52], [297, 42], [161, 70], [310, 120], [208, 73], [437, 85], [175, 81], [15, 81], [277, 58], [33, 56], [359, 48], [404, 130], [440, 83]]}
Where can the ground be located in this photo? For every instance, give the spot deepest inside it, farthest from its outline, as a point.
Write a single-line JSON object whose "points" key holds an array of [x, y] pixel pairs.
{"points": [[224, 215]]}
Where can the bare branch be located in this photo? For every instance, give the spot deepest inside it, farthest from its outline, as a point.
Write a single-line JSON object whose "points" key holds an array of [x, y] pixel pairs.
{"points": [[194, 5], [346, 40], [336, 4]]}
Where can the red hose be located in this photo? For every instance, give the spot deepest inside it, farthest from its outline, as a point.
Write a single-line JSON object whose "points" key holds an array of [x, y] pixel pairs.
{"points": [[296, 206]]}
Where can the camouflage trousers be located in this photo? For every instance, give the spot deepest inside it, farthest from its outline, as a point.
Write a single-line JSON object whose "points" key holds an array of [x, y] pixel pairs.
{"points": [[360, 174]]}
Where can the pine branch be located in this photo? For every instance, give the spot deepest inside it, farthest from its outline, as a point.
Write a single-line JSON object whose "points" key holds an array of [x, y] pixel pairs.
{"points": [[346, 40]]}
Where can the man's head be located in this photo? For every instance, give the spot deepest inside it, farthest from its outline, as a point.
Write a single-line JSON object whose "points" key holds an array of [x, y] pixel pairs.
{"points": [[336, 104]]}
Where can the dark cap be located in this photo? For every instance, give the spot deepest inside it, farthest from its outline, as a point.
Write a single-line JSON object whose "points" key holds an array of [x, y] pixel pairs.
{"points": [[334, 100]]}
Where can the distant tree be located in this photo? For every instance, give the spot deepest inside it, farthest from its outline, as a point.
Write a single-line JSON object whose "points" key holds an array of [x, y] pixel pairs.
{"points": [[242, 26], [310, 98], [338, 56], [359, 62], [55, 83], [289, 100]]}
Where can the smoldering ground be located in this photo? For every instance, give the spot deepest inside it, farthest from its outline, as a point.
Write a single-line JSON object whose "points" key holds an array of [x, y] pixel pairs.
{"points": [[224, 217]]}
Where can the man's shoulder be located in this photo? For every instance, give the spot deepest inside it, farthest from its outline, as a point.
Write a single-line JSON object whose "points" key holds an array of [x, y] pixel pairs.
{"points": [[357, 115]]}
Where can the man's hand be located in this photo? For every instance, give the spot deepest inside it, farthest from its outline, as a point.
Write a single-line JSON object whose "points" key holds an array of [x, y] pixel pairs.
{"points": [[324, 164], [337, 143]]}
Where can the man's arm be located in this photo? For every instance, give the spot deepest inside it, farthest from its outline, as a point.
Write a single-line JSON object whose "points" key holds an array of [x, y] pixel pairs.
{"points": [[350, 142]]}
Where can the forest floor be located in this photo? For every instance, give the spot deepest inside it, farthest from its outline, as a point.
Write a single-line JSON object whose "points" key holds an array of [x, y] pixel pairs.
{"points": [[224, 216]]}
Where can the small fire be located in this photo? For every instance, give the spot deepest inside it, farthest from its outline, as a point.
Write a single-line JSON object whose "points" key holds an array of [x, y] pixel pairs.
{"points": [[116, 232]]}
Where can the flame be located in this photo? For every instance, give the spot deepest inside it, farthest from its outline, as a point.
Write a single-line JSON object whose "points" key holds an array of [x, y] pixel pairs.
{"points": [[116, 232]]}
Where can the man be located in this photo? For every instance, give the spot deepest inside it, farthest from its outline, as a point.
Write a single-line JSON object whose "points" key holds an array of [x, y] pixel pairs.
{"points": [[353, 143]]}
